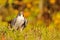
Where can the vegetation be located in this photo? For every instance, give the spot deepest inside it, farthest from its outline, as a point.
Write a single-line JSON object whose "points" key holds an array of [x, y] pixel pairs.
{"points": [[36, 28]]}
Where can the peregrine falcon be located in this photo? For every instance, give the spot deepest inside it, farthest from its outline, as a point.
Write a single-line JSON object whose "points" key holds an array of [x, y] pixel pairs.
{"points": [[19, 22]]}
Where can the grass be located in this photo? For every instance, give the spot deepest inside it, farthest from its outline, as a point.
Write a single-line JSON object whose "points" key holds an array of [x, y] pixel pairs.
{"points": [[35, 30], [31, 32]]}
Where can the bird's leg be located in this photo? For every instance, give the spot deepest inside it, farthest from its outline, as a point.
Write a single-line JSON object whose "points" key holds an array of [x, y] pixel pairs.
{"points": [[15, 28], [20, 28]]}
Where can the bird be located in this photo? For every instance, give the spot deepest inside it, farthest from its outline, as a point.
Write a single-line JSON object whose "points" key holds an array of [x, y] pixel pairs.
{"points": [[19, 22]]}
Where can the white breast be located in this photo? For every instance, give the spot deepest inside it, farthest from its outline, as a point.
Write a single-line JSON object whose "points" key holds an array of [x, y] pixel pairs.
{"points": [[19, 21], [19, 18]]}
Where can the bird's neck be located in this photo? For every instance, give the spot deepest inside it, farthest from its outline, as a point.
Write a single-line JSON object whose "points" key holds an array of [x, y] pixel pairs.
{"points": [[21, 13]]}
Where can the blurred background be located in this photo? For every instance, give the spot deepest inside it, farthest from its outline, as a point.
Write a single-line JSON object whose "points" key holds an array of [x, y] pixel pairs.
{"points": [[43, 19]]}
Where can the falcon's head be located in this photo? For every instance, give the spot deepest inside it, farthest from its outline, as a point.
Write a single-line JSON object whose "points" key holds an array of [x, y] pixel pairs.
{"points": [[21, 13]]}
